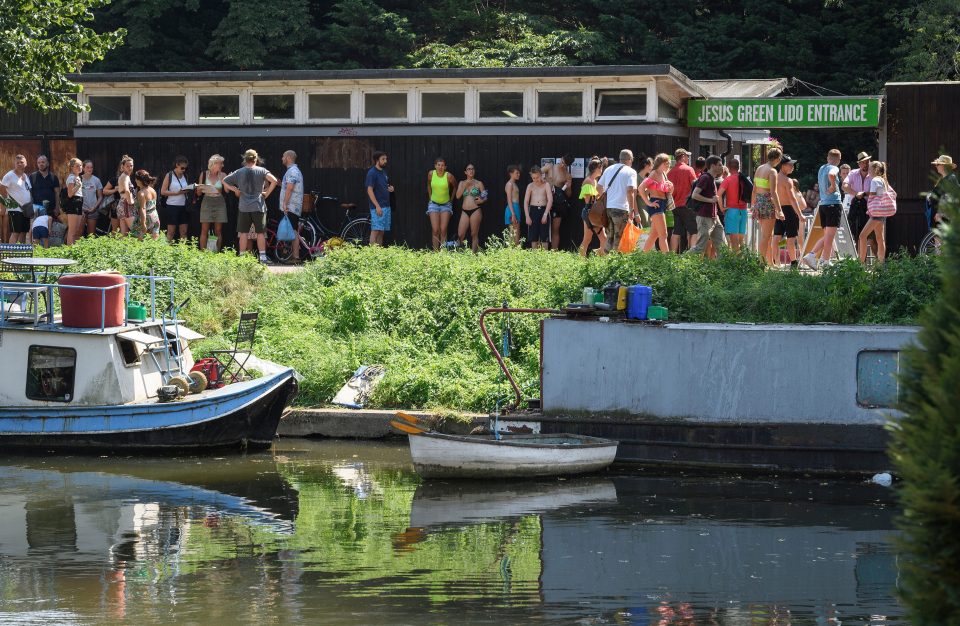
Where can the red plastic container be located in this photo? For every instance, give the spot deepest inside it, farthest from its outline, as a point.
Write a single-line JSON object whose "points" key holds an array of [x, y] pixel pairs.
{"points": [[81, 308]]}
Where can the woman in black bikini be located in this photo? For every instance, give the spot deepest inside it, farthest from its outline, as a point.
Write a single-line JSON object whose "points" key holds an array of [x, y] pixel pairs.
{"points": [[473, 194]]}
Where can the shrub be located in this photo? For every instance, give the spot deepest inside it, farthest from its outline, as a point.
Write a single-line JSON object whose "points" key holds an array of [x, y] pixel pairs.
{"points": [[926, 451], [417, 312]]}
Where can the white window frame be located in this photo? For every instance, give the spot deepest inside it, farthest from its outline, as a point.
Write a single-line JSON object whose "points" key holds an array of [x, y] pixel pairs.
{"points": [[524, 105], [419, 117], [245, 104], [636, 90], [185, 93], [333, 121], [136, 110], [412, 99], [538, 89], [267, 91]]}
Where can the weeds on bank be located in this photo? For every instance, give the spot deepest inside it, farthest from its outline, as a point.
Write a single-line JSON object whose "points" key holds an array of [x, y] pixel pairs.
{"points": [[417, 312]]}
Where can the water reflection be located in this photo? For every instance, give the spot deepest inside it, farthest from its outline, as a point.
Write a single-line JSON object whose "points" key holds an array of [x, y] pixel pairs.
{"points": [[344, 533]]}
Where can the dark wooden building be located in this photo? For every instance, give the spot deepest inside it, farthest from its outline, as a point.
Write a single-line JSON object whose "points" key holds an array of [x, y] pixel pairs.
{"points": [[922, 122], [335, 120]]}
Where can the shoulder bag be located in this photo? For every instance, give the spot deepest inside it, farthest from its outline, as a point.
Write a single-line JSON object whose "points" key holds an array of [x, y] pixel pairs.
{"points": [[598, 210], [884, 205]]}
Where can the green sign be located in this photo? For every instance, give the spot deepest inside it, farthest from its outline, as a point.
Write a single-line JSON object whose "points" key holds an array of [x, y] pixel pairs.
{"points": [[784, 113]]}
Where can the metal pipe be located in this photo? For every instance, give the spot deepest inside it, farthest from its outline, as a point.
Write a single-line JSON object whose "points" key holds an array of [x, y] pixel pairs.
{"points": [[729, 149], [493, 347]]}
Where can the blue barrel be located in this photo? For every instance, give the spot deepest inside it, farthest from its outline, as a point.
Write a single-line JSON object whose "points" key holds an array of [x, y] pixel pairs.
{"points": [[639, 298]]}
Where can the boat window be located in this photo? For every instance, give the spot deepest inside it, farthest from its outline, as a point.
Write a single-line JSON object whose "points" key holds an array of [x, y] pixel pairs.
{"points": [[130, 351], [50, 373], [877, 383]]}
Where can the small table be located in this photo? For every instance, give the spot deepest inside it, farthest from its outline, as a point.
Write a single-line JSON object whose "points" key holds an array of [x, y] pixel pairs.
{"points": [[41, 270], [36, 265]]}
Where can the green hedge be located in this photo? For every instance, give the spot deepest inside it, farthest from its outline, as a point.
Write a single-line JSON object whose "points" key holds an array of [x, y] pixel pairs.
{"points": [[417, 312]]}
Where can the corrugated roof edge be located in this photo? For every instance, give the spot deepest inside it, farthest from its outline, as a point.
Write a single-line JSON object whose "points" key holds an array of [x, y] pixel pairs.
{"points": [[409, 74]]}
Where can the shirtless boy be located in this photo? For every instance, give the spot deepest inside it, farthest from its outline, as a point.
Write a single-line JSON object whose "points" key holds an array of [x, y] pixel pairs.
{"points": [[511, 215], [789, 226], [537, 203], [558, 176]]}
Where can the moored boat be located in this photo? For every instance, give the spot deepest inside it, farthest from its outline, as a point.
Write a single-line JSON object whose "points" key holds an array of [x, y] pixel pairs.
{"points": [[438, 455], [108, 387]]}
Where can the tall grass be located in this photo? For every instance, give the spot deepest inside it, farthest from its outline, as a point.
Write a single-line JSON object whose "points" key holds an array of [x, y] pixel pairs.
{"points": [[417, 312]]}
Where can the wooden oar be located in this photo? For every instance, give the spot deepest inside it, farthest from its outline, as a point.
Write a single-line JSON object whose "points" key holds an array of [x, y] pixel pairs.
{"points": [[408, 428], [413, 419]]}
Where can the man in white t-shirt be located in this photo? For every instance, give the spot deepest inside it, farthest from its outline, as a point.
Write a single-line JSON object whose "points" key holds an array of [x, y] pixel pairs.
{"points": [[620, 183], [16, 184]]}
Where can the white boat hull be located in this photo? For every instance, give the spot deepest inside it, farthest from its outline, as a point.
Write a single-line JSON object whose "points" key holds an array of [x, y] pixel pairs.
{"points": [[436, 455]]}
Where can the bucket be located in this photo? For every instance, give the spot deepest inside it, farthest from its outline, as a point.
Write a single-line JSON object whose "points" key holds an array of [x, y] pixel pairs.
{"points": [[622, 298], [588, 295], [136, 311], [597, 296], [658, 313], [611, 293], [638, 301]]}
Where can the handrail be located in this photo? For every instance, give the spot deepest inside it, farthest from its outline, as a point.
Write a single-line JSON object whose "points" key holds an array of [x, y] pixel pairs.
{"points": [[13, 286], [496, 353]]}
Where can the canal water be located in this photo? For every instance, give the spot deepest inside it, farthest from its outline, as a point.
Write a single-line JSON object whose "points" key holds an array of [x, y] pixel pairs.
{"points": [[346, 533]]}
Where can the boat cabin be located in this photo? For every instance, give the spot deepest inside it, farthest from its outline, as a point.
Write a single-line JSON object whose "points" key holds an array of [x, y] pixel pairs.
{"points": [[50, 360]]}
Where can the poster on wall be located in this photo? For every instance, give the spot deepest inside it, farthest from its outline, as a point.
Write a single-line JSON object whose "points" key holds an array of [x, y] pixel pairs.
{"points": [[577, 168]]}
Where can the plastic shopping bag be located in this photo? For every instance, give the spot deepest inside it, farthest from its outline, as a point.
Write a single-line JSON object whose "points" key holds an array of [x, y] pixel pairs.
{"points": [[285, 230], [630, 237]]}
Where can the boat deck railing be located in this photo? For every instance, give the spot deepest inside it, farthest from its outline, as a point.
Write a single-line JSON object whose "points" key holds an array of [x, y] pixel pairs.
{"points": [[31, 293]]}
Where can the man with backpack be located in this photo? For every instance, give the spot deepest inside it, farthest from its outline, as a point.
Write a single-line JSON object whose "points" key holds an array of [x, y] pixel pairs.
{"points": [[735, 192], [619, 183], [45, 186]]}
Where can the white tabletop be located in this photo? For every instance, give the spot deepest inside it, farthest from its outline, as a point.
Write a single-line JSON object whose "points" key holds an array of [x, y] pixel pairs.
{"points": [[37, 261]]}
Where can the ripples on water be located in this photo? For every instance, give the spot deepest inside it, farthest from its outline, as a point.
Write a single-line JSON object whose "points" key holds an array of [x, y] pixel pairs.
{"points": [[345, 533]]}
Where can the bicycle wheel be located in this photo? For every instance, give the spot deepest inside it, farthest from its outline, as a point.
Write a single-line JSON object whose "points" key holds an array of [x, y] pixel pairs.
{"points": [[308, 234], [357, 231], [930, 244]]}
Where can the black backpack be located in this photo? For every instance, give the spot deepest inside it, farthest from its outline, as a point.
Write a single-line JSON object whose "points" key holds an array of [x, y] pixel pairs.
{"points": [[746, 188]]}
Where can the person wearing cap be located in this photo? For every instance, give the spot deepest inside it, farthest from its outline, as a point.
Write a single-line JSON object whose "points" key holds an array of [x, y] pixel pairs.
{"points": [[685, 219], [947, 170], [789, 226], [253, 185], [857, 185]]}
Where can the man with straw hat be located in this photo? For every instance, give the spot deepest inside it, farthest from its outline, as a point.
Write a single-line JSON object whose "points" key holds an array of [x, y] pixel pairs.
{"points": [[857, 185], [947, 183]]}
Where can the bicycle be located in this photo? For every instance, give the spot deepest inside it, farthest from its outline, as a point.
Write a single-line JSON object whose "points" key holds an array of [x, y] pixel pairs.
{"points": [[315, 236], [930, 243]]}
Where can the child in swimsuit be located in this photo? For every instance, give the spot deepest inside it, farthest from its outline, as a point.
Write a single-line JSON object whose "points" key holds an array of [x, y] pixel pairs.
{"points": [[511, 214]]}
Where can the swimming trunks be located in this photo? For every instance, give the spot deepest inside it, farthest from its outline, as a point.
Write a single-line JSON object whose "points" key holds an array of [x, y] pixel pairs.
{"points": [[538, 231], [512, 213]]}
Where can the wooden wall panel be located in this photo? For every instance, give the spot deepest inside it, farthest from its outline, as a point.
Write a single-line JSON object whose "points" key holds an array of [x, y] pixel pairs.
{"points": [[336, 166], [923, 121]]}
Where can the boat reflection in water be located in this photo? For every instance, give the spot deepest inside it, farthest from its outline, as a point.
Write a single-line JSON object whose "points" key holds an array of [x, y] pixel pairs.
{"points": [[345, 533]]}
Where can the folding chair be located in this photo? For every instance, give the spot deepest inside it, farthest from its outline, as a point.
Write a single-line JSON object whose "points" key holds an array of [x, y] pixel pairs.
{"points": [[234, 361]]}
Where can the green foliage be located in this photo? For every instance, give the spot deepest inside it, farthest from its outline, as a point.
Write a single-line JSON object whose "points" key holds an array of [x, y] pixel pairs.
{"points": [[253, 37], [40, 44], [926, 450], [219, 286], [417, 312], [930, 49]]}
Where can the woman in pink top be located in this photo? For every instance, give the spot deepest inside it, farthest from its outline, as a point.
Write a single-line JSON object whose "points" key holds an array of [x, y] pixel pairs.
{"points": [[653, 192]]}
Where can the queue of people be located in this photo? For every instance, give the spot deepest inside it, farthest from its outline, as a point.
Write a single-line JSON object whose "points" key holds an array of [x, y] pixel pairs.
{"points": [[698, 208]]}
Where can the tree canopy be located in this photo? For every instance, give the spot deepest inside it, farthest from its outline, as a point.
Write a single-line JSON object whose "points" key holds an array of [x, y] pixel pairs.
{"points": [[40, 43], [851, 46]]}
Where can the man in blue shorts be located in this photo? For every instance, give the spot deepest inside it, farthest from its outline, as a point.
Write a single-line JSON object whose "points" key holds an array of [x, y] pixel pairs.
{"points": [[378, 191]]}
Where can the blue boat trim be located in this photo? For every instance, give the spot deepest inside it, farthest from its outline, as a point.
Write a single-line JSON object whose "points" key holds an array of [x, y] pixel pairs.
{"points": [[93, 420]]}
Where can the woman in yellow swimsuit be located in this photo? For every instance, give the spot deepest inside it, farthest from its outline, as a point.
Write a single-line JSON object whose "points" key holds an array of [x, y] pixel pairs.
{"points": [[588, 193], [766, 202], [440, 187]]}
